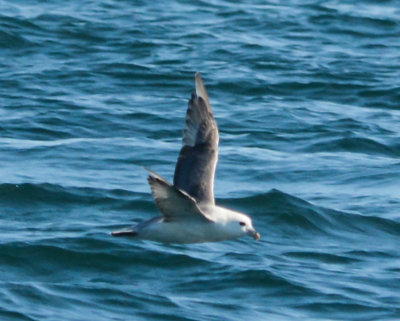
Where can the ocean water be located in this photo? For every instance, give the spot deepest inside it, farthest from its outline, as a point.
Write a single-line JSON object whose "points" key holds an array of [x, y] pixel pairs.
{"points": [[307, 98]]}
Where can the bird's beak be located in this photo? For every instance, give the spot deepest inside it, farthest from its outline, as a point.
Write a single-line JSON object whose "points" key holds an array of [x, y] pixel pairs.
{"points": [[253, 233], [124, 233]]}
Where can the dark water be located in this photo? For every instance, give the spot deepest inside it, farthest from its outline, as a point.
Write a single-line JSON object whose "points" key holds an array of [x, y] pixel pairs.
{"points": [[307, 98]]}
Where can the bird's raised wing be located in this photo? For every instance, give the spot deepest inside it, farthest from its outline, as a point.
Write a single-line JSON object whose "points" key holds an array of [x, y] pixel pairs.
{"points": [[195, 169], [173, 203]]}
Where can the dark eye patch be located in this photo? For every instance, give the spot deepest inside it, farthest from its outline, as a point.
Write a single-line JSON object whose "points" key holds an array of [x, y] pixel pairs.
{"points": [[242, 223]]}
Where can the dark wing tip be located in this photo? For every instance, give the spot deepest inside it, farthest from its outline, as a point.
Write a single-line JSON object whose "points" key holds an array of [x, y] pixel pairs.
{"points": [[201, 90], [151, 179], [154, 175]]}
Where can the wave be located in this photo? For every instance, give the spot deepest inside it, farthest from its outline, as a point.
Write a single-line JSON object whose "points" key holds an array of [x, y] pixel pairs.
{"points": [[55, 256], [15, 315], [14, 33], [11, 40], [285, 214], [45, 193], [256, 279], [279, 212], [355, 145]]}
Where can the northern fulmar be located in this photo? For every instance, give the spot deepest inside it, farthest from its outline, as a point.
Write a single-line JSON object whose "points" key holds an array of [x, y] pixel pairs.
{"points": [[187, 207]]}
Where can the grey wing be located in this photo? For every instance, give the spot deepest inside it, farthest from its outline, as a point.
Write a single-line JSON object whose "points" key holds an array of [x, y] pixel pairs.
{"points": [[195, 169], [172, 202]]}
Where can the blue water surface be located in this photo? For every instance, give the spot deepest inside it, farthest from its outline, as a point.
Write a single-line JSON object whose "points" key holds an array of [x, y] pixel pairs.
{"points": [[307, 98]]}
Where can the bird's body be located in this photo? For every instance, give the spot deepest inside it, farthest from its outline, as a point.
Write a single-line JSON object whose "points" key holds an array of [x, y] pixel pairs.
{"points": [[189, 213], [189, 230]]}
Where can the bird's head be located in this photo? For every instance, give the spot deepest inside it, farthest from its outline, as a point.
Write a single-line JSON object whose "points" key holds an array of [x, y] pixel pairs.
{"points": [[242, 225]]}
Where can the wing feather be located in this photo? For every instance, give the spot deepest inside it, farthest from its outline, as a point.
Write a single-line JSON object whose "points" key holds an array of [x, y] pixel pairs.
{"points": [[172, 202], [195, 168]]}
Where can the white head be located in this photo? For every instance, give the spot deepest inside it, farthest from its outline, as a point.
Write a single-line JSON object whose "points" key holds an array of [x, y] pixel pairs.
{"points": [[240, 225]]}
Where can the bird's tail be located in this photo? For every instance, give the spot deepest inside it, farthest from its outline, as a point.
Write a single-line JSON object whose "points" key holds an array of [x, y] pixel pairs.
{"points": [[127, 232]]}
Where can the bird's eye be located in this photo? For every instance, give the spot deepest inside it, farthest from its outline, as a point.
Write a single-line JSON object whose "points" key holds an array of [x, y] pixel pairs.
{"points": [[242, 223]]}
